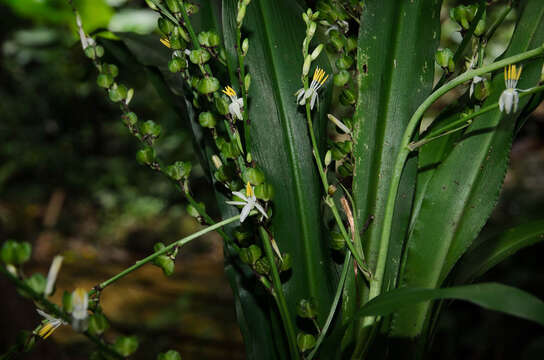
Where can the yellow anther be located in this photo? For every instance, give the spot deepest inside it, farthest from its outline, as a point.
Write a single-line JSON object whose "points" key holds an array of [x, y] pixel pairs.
{"points": [[229, 91], [325, 79], [519, 73], [505, 73], [165, 42], [249, 190], [46, 330], [319, 76]]}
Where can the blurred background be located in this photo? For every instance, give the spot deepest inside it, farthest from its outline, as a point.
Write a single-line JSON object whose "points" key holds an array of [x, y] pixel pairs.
{"points": [[70, 185]]}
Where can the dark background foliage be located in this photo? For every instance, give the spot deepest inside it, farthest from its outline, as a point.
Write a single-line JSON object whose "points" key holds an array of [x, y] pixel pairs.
{"points": [[69, 184]]}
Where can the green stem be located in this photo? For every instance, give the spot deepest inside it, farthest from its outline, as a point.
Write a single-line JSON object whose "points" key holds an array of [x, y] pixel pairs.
{"points": [[164, 250], [462, 120], [334, 304], [241, 78], [280, 298], [54, 310], [377, 279]]}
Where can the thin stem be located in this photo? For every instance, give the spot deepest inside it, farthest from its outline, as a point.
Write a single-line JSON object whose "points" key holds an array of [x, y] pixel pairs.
{"points": [[377, 279], [417, 144], [452, 126], [502, 15], [178, 243], [339, 288], [278, 292], [54, 310], [241, 78]]}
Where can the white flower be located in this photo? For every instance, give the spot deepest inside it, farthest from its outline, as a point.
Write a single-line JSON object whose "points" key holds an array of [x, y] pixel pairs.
{"points": [[51, 324], [80, 303], [52, 275], [318, 80], [509, 98], [85, 41], [249, 202], [236, 105]]}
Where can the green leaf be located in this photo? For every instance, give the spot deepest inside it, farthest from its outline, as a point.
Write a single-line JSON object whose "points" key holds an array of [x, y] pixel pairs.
{"points": [[491, 296], [494, 250], [388, 70], [465, 187]]}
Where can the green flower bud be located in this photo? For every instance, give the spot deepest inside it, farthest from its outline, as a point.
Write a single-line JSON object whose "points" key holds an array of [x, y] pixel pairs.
{"points": [[254, 175], [146, 156], [305, 18], [317, 51], [104, 80], [22, 253], [341, 78], [347, 97], [337, 241], [345, 170], [36, 282], [444, 58], [247, 81], [241, 14], [99, 51], [242, 237], [178, 170], [245, 46], [166, 26], [190, 8], [207, 120], [482, 90], [262, 266], [192, 211], [208, 85], [169, 355], [117, 92], [306, 66], [310, 30], [221, 104], [462, 15], [336, 41], [151, 5], [177, 64], [90, 52], [305, 341], [165, 263], [344, 62], [244, 255], [480, 27], [67, 301], [150, 130], [98, 324], [111, 69], [129, 119], [173, 6], [328, 158], [176, 42], [264, 192], [126, 345], [307, 309], [228, 149], [254, 253]]}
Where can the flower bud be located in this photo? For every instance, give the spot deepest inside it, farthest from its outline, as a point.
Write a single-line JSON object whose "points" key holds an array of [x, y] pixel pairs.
{"points": [[305, 18], [348, 97], [306, 66], [337, 241], [262, 266], [98, 324], [126, 345], [351, 44], [207, 120], [130, 94], [208, 85], [173, 6], [165, 263], [331, 190], [104, 80], [169, 355], [178, 170], [176, 42], [192, 211], [344, 62], [245, 46], [36, 282], [117, 92], [482, 90], [241, 14], [310, 31], [254, 253], [328, 158], [247, 81], [99, 51], [221, 104], [217, 161], [286, 262], [317, 51], [90, 52]]}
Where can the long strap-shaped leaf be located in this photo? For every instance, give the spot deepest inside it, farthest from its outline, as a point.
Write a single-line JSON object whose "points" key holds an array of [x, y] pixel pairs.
{"points": [[494, 250], [492, 296], [465, 188], [280, 142], [393, 80]]}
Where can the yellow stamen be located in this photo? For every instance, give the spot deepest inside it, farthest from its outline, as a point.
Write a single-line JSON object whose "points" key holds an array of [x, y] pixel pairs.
{"points": [[229, 91], [249, 190], [165, 42], [319, 76], [519, 73], [505, 73], [46, 330]]}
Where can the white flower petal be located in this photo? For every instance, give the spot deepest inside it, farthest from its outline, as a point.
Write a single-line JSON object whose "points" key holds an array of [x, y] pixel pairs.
{"points": [[245, 212], [261, 210], [501, 102], [240, 195], [312, 102], [52, 274], [236, 202]]}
